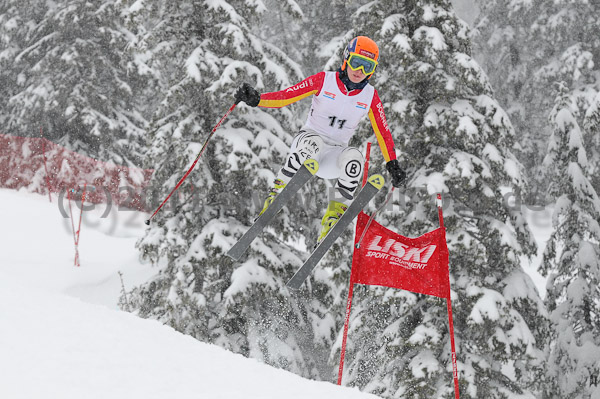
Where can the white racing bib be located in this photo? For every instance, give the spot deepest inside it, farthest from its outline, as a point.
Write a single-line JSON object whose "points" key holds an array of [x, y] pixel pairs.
{"points": [[335, 114]]}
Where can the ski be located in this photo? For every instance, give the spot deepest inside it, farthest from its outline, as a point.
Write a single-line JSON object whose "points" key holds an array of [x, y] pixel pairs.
{"points": [[375, 183], [304, 174]]}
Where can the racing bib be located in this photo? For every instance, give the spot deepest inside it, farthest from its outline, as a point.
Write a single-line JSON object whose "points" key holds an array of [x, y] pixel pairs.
{"points": [[335, 114]]}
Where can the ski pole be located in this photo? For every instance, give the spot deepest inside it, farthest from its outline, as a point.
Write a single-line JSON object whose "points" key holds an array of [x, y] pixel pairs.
{"points": [[194, 164], [372, 217]]}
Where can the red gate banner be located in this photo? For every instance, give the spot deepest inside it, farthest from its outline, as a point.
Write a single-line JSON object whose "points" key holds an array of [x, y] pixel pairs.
{"points": [[388, 259], [385, 258]]}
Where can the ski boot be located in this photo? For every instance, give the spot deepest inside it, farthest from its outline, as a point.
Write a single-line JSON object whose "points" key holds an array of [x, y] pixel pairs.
{"points": [[278, 185], [334, 212]]}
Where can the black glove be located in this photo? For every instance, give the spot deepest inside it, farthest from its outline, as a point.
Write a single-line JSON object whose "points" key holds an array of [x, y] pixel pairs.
{"points": [[247, 94], [398, 174]]}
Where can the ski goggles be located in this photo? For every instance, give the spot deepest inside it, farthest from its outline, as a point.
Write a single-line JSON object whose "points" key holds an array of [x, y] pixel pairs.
{"points": [[357, 61]]}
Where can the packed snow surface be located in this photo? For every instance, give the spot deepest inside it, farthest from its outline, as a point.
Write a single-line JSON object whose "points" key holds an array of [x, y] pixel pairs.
{"points": [[63, 336]]}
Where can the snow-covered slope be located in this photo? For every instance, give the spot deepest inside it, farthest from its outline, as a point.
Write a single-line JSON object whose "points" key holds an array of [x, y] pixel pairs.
{"points": [[62, 336]]}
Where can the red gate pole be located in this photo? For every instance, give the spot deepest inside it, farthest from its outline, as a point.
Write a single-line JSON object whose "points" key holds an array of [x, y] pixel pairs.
{"points": [[76, 232], [73, 225], [346, 325], [449, 306], [351, 288], [453, 348], [77, 263]]}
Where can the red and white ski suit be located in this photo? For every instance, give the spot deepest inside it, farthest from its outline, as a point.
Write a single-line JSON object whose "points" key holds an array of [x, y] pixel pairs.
{"points": [[332, 121]]}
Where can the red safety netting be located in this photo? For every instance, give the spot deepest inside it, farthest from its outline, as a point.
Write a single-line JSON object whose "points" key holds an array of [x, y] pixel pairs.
{"points": [[25, 160]]}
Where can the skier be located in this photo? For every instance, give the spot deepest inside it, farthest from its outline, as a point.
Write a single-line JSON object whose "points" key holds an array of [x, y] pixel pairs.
{"points": [[341, 99]]}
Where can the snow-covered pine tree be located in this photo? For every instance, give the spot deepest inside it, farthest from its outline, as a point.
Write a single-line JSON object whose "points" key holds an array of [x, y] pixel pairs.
{"points": [[498, 47], [454, 138], [200, 53], [282, 27], [537, 43], [14, 26], [572, 259], [501, 48], [309, 31], [326, 25], [591, 124], [75, 79]]}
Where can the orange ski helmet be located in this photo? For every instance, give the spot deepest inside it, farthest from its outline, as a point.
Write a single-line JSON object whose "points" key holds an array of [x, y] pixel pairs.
{"points": [[361, 53]]}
